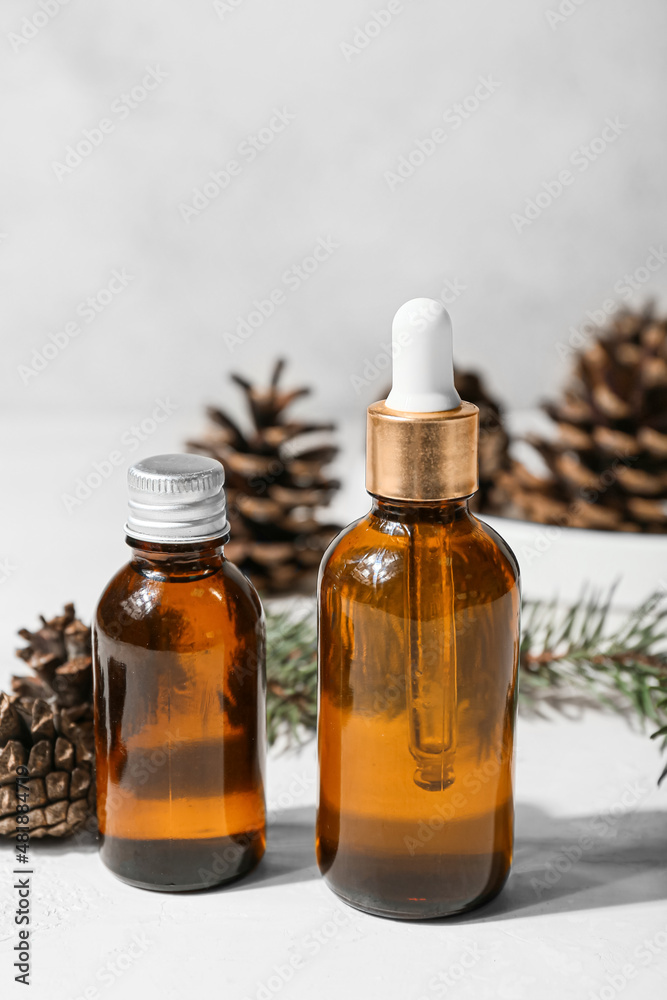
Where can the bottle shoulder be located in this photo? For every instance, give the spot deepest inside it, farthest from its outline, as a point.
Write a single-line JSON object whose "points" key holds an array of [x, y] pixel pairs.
{"points": [[373, 551], [354, 528], [133, 597], [237, 584], [500, 545]]}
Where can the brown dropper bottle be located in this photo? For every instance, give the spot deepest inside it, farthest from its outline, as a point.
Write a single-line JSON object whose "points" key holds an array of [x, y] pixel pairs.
{"points": [[179, 667], [418, 650]]}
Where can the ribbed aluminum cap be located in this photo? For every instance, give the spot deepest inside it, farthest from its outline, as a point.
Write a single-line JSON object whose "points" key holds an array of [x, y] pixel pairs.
{"points": [[177, 498]]}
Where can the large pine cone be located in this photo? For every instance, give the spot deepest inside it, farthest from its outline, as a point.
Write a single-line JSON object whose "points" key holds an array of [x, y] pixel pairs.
{"points": [[494, 457], [493, 440], [608, 462], [47, 725]]}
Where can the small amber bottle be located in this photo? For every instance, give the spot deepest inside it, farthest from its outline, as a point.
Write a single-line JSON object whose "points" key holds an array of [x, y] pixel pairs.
{"points": [[179, 661], [418, 650]]}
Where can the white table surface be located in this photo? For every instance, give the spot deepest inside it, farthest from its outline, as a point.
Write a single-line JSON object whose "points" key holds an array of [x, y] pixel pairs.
{"points": [[571, 922]]}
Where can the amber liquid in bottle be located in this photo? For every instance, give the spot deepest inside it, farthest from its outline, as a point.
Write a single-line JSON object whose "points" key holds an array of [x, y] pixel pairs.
{"points": [[418, 649], [179, 659]]}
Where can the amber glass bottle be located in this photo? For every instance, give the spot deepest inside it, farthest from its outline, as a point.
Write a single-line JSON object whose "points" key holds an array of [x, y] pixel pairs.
{"points": [[179, 690], [418, 649]]}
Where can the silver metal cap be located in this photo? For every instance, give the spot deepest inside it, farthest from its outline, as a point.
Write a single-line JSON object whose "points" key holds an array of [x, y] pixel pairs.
{"points": [[177, 498]]}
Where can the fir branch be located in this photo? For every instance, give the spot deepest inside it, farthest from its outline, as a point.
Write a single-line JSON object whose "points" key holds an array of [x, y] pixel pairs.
{"points": [[291, 681], [579, 651], [563, 653]]}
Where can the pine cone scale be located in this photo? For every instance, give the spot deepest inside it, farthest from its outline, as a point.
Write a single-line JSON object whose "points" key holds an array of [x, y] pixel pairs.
{"points": [[618, 403], [47, 726], [272, 477]]}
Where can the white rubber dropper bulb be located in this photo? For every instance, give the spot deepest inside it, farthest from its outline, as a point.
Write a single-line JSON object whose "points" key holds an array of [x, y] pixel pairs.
{"points": [[423, 365]]}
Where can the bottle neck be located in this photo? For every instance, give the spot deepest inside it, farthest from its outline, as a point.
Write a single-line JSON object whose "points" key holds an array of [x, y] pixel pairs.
{"points": [[407, 511], [426, 455], [162, 561]]}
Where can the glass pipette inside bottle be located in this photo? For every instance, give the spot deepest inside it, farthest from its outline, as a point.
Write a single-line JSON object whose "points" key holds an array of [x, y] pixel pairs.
{"points": [[423, 383]]}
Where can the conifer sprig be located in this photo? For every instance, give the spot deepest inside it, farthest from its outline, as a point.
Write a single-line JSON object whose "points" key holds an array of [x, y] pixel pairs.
{"points": [[621, 667], [573, 653], [291, 682]]}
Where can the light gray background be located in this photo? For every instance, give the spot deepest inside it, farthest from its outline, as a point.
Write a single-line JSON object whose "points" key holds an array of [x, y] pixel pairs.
{"points": [[324, 175], [163, 337], [355, 114]]}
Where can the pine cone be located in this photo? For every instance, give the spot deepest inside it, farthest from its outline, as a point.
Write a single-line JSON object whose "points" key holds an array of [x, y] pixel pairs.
{"points": [[608, 463], [493, 440], [47, 725], [274, 485]]}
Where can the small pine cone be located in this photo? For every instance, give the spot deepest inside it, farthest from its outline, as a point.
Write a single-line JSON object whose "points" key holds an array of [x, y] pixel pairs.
{"points": [[274, 484], [46, 725]]}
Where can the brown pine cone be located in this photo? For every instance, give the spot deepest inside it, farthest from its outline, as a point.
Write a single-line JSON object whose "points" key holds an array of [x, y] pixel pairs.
{"points": [[493, 440], [607, 461], [47, 726], [275, 484]]}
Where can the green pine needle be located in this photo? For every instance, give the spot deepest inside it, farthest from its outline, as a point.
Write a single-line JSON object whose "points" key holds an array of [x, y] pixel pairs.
{"points": [[563, 653], [578, 652], [291, 682]]}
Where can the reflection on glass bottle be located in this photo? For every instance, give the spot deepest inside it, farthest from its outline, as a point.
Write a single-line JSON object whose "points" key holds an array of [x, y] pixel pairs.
{"points": [[180, 688], [418, 651]]}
